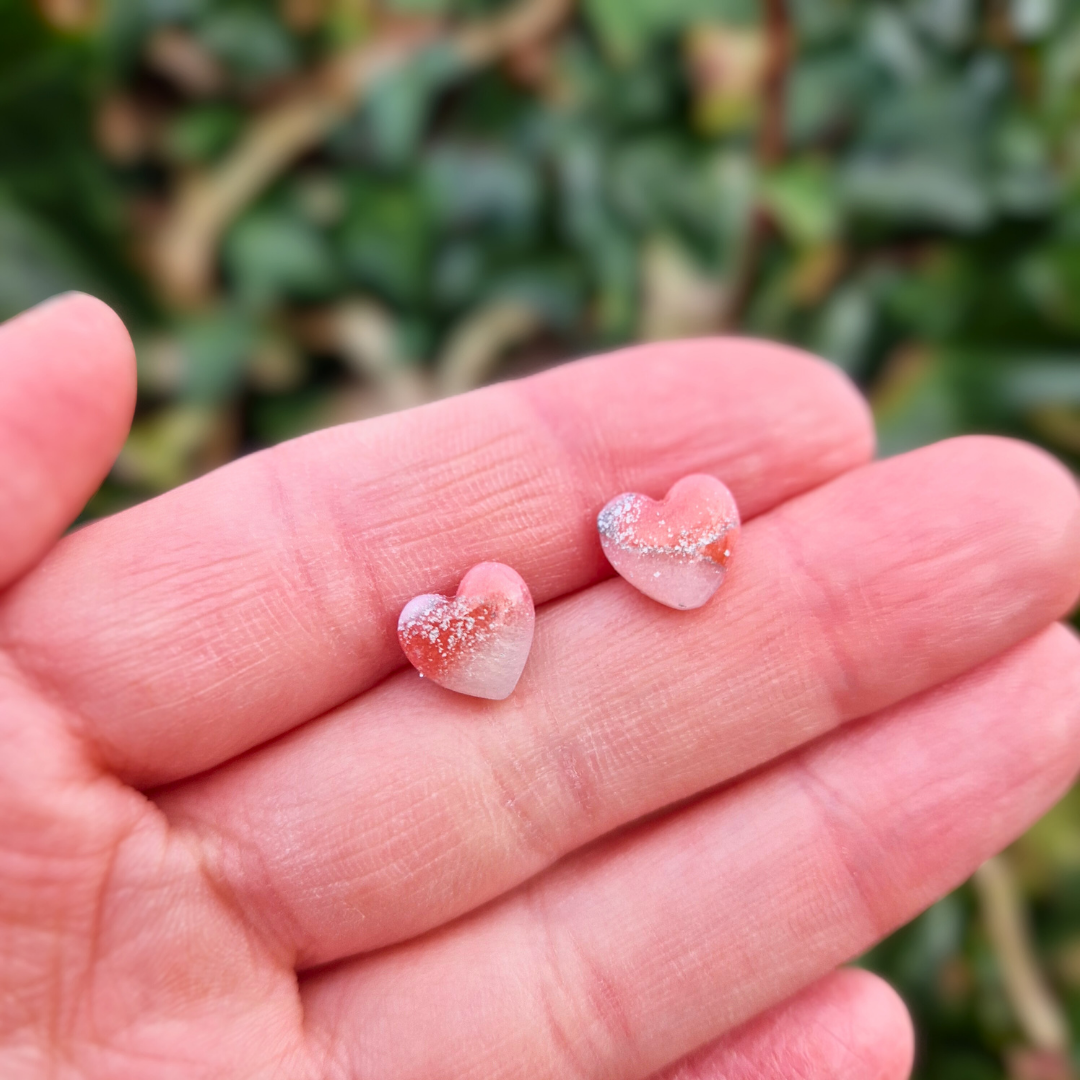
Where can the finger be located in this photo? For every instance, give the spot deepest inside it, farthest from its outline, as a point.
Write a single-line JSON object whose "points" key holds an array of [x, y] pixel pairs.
{"points": [[67, 391], [645, 946], [199, 625], [849, 1026], [413, 805]]}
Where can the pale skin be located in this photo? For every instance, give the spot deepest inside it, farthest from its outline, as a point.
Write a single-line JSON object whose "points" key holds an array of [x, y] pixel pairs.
{"points": [[238, 838]]}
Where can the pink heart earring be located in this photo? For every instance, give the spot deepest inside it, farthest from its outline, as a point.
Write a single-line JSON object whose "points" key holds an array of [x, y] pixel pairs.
{"points": [[677, 550], [477, 642]]}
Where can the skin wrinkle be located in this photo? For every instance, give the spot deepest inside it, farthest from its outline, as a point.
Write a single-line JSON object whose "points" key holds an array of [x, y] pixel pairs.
{"points": [[825, 612], [858, 1059], [63, 999], [603, 997], [561, 749], [98, 917], [92, 740], [534, 839], [797, 1040], [213, 849], [274, 923], [594, 1003], [329, 1050], [582, 783], [561, 752], [557, 1000], [391, 846], [395, 851], [538, 829], [579, 465], [302, 587], [576, 465], [823, 799], [281, 511], [69, 720]]}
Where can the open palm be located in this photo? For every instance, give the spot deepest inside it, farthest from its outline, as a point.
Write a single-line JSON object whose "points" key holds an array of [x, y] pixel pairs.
{"points": [[238, 840]]}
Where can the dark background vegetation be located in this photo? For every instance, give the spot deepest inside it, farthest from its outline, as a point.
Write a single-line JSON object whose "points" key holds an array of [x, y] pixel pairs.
{"points": [[317, 210]]}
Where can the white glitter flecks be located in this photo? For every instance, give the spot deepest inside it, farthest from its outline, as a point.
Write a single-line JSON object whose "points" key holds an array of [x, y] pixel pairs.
{"points": [[618, 523]]}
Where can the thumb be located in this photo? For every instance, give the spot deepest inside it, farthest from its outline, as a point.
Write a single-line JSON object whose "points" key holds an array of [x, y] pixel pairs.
{"points": [[67, 392]]}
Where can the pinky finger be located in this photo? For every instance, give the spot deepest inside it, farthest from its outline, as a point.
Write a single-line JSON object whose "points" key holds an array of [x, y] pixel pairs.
{"points": [[848, 1026]]}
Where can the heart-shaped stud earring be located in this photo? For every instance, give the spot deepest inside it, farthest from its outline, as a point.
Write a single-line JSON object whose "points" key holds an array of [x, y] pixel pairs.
{"points": [[677, 550], [476, 642]]}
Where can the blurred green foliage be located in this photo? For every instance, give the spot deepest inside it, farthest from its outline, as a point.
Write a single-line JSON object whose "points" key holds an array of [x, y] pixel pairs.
{"points": [[918, 222]]}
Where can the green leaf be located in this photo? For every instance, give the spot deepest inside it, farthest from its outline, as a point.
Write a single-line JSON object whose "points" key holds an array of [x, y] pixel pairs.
{"points": [[249, 40], [471, 186], [916, 404], [386, 241], [272, 254], [201, 134], [627, 27], [399, 105], [920, 191], [845, 327], [215, 349], [1034, 381], [804, 200]]}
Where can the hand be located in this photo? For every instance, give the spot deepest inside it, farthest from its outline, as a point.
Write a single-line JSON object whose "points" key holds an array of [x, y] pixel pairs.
{"points": [[238, 840]]}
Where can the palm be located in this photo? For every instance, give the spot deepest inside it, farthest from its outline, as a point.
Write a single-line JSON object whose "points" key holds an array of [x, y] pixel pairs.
{"points": [[339, 871]]}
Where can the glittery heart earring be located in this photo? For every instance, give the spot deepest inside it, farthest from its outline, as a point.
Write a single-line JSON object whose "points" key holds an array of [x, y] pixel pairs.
{"points": [[676, 550], [476, 642]]}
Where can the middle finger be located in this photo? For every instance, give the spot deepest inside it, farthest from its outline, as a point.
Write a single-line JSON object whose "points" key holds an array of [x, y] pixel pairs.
{"points": [[412, 805]]}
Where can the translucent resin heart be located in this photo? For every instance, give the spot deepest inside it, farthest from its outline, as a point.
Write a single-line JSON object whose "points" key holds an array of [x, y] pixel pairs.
{"points": [[476, 642], [675, 551]]}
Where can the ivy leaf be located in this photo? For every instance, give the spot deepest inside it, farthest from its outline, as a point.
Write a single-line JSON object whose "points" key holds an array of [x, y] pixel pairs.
{"points": [[918, 190], [249, 40], [627, 27], [214, 350], [804, 200], [399, 105], [271, 255]]}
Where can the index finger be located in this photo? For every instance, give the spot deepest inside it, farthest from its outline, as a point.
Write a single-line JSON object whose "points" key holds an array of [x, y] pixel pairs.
{"points": [[196, 626]]}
